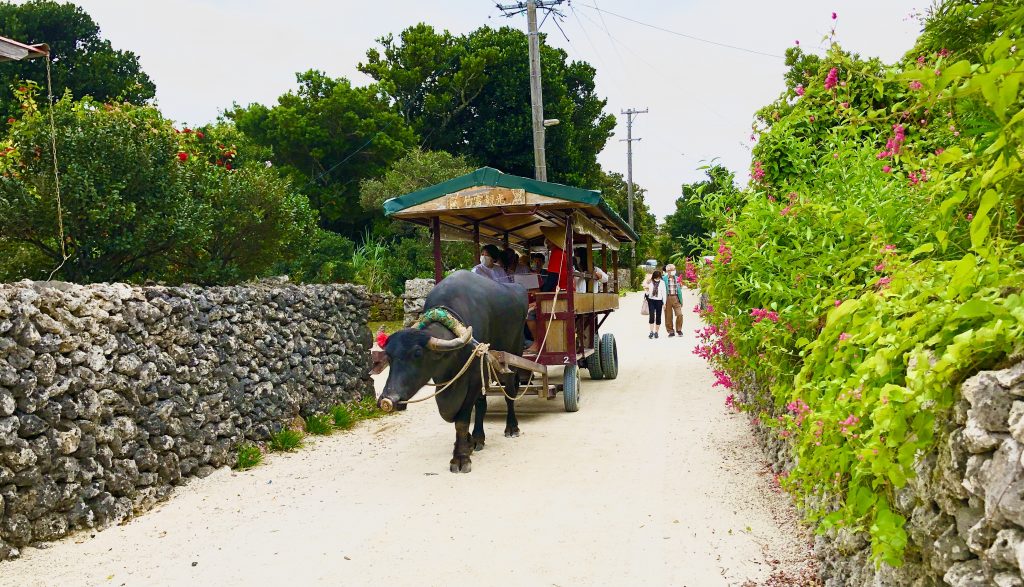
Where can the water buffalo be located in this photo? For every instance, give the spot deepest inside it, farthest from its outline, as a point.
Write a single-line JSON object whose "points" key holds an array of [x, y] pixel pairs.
{"points": [[492, 313]]}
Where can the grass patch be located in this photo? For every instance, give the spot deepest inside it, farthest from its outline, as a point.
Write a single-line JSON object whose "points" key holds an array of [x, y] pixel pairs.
{"points": [[248, 456], [342, 417], [319, 424], [286, 440], [389, 327], [365, 409]]}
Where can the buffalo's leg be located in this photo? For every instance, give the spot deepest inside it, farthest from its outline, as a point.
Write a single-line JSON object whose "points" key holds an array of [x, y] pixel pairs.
{"points": [[478, 423], [461, 462], [512, 390]]}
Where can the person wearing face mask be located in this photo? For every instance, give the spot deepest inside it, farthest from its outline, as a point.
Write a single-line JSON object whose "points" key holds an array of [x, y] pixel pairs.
{"points": [[490, 265], [673, 301]]}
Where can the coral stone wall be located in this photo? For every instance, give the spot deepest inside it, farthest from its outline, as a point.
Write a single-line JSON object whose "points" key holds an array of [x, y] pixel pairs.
{"points": [[965, 506], [110, 395]]}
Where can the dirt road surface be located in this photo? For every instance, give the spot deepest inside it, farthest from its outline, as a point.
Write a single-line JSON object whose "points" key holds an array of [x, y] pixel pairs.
{"points": [[653, 482]]}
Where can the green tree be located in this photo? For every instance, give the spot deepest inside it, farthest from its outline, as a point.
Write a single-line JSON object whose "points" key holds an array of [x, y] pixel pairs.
{"points": [[327, 136], [83, 62], [139, 200], [400, 250], [687, 227], [416, 170], [615, 191], [469, 95]]}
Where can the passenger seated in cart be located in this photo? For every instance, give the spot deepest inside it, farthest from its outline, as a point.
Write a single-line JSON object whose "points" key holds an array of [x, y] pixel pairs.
{"points": [[554, 238], [581, 266], [490, 265]]}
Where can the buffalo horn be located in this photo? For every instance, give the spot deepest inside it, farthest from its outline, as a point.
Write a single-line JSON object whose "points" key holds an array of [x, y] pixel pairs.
{"points": [[441, 344]]}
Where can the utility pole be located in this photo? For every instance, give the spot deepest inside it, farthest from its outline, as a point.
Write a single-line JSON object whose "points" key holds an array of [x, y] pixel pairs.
{"points": [[630, 113], [536, 95]]}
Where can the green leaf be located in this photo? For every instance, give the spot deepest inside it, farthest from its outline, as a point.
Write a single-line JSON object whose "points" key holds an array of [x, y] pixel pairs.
{"points": [[978, 309]]}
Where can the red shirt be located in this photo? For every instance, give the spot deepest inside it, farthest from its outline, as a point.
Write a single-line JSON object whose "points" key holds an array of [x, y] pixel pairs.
{"points": [[556, 264]]}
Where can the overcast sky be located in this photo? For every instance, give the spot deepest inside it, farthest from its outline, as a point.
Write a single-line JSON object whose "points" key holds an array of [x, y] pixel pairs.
{"points": [[204, 55]]}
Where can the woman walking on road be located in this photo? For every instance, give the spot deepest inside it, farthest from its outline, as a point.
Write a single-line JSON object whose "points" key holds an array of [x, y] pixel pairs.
{"points": [[654, 293]]}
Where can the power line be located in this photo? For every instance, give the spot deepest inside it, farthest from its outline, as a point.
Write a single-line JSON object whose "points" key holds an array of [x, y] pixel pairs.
{"points": [[679, 34]]}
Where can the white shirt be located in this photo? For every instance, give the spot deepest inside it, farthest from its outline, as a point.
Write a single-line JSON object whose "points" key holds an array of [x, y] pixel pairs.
{"points": [[649, 289], [601, 277]]}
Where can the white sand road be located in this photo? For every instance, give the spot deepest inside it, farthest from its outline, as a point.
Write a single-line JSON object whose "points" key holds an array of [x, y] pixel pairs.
{"points": [[653, 482]]}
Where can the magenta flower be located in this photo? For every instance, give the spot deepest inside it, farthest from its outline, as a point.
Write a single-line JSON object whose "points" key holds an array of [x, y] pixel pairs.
{"points": [[845, 336], [916, 85], [880, 267], [834, 16], [839, 303], [884, 281], [760, 314], [890, 247], [970, 216], [886, 169], [758, 173], [832, 78], [797, 42], [800, 90]]}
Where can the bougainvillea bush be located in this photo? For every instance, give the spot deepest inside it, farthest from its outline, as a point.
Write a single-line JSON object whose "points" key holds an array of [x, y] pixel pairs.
{"points": [[876, 261]]}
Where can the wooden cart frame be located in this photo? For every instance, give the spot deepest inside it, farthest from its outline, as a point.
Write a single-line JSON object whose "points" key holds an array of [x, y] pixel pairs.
{"points": [[488, 206]]}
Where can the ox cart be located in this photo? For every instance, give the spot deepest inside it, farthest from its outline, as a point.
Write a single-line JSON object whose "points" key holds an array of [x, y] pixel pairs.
{"points": [[491, 207]]}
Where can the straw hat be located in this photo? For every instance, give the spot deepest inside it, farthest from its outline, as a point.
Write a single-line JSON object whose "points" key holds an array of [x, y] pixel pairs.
{"points": [[555, 234]]}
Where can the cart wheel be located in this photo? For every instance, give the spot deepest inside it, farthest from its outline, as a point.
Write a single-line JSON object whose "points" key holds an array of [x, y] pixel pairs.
{"points": [[571, 388], [595, 366], [609, 356]]}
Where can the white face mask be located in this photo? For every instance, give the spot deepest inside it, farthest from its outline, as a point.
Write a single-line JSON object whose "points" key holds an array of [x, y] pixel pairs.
{"points": [[672, 273], [486, 261]]}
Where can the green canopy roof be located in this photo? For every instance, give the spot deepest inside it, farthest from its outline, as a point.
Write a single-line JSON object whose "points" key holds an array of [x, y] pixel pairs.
{"points": [[488, 176]]}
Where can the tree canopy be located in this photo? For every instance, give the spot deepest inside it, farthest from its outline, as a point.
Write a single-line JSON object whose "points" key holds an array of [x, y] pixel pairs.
{"points": [[687, 226], [470, 95], [328, 135], [140, 200], [83, 62]]}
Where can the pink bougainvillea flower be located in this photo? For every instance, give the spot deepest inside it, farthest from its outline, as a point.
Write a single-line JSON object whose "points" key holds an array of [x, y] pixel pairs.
{"points": [[920, 60], [916, 85], [200, 135], [939, 151], [884, 281], [970, 216], [835, 155], [845, 336], [834, 16], [758, 173], [844, 104], [886, 169], [938, 72], [839, 303], [832, 79], [797, 42], [880, 267], [785, 211], [760, 314], [944, 52], [890, 247], [800, 90]]}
